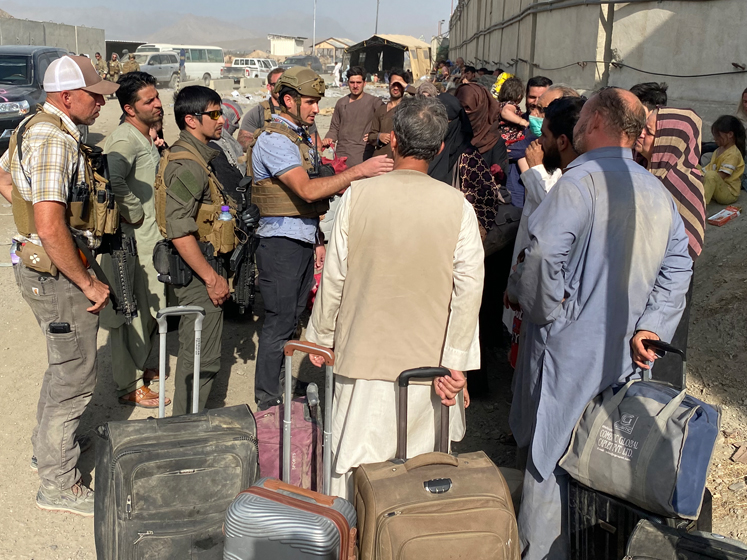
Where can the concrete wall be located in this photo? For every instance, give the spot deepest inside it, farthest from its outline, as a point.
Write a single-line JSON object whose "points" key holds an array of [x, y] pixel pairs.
{"points": [[80, 40], [575, 45]]}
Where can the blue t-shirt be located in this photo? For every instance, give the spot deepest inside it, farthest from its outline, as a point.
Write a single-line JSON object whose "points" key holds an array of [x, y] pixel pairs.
{"points": [[273, 155], [514, 184]]}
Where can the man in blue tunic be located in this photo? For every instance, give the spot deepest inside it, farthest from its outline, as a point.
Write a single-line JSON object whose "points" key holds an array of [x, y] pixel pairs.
{"points": [[606, 267]]}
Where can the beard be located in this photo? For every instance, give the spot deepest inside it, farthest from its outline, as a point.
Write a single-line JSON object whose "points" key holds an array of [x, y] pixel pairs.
{"points": [[150, 120], [551, 160]]}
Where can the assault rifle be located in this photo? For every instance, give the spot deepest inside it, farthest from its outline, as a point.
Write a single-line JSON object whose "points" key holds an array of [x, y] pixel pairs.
{"points": [[242, 259], [122, 249]]}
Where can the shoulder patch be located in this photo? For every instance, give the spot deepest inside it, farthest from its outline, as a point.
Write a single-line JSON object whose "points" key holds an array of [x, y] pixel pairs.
{"points": [[185, 185]]}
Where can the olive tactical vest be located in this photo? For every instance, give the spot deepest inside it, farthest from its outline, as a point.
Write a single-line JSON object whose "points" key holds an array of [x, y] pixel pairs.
{"points": [[220, 234], [275, 198]]}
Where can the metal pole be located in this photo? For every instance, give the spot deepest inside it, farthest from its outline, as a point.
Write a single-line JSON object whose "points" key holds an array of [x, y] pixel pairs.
{"points": [[313, 33], [376, 30], [287, 420]]}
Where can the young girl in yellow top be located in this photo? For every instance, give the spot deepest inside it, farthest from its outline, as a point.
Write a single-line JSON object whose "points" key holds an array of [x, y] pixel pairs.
{"points": [[723, 175]]}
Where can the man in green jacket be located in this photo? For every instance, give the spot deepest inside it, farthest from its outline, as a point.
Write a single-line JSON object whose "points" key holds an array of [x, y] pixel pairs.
{"points": [[191, 189]]}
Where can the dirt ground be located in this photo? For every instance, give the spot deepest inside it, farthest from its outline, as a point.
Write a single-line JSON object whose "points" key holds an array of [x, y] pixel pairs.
{"points": [[717, 361]]}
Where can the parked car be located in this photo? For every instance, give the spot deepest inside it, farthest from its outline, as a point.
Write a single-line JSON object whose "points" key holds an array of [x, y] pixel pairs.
{"points": [[22, 71], [163, 66], [303, 60], [247, 68]]}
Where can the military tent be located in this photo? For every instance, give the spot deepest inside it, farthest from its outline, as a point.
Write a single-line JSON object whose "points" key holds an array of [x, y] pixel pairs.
{"points": [[381, 53]]}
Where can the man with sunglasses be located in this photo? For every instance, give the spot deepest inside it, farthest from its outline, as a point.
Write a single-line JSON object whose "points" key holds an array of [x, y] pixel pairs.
{"points": [[191, 189], [291, 194]]}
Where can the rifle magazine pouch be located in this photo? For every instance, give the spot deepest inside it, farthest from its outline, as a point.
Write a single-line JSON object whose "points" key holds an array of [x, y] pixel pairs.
{"points": [[646, 443], [107, 211], [79, 212], [36, 258]]}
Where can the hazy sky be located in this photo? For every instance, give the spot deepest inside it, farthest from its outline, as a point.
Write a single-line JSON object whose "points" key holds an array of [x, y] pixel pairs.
{"points": [[415, 17]]}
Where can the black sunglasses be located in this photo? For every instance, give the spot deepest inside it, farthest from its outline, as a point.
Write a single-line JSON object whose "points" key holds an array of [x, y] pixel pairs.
{"points": [[271, 84], [215, 115]]}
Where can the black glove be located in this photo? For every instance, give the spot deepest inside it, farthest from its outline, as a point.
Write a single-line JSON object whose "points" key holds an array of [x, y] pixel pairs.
{"points": [[250, 216]]}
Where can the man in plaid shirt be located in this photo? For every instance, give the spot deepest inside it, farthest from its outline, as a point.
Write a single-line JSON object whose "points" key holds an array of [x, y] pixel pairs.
{"points": [[52, 276]]}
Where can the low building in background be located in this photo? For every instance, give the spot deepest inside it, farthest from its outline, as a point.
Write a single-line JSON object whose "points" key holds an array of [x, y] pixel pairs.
{"points": [[285, 45], [331, 51]]}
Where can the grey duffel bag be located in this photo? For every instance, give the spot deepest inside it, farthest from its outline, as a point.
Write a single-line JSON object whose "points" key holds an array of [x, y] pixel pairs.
{"points": [[648, 444]]}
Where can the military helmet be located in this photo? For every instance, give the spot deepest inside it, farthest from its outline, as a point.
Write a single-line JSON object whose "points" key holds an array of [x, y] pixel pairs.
{"points": [[303, 80]]}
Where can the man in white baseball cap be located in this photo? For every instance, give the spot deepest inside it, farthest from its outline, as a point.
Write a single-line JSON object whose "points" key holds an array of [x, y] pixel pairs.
{"points": [[45, 174]]}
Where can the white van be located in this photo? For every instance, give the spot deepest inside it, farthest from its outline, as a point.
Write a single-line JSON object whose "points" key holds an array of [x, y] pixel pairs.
{"points": [[200, 62]]}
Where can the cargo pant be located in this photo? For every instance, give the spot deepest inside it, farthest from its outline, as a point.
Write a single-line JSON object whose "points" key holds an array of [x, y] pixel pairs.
{"points": [[195, 293], [68, 383]]}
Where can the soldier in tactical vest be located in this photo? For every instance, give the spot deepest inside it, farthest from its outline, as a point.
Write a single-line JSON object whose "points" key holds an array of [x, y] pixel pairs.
{"points": [[50, 180], [259, 116], [130, 65], [101, 66], [291, 192], [189, 207], [115, 68]]}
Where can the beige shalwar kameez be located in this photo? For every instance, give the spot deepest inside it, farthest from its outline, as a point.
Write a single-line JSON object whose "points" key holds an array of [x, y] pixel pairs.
{"points": [[365, 410]]}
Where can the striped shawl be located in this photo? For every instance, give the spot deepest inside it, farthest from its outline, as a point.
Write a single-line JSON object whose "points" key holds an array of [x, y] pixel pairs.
{"points": [[674, 160]]}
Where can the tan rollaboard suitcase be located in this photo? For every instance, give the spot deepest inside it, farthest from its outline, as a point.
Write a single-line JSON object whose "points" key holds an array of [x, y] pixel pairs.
{"points": [[434, 505]]}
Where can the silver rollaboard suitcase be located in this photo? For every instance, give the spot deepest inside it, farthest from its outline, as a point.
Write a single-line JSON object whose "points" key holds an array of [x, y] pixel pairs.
{"points": [[278, 521], [163, 484]]}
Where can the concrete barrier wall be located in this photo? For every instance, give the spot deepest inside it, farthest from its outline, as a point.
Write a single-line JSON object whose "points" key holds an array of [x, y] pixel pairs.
{"points": [[576, 45], [80, 40]]}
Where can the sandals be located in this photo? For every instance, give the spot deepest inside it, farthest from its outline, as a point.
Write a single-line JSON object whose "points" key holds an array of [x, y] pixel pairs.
{"points": [[142, 397]]}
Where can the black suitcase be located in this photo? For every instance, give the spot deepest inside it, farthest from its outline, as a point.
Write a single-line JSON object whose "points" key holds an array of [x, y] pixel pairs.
{"points": [[599, 525], [650, 541], [163, 484]]}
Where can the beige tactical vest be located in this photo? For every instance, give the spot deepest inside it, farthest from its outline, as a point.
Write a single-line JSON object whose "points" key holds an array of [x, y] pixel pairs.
{"points": [[98, 214], [222, 235], [275, 198]]}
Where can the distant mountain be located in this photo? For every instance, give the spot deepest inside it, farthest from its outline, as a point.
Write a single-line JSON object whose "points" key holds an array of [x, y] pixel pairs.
{"points": [[194, 30]]}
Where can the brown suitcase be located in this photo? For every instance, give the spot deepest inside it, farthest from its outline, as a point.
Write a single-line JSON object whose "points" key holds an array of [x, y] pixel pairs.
{"points": [[434, 505]]}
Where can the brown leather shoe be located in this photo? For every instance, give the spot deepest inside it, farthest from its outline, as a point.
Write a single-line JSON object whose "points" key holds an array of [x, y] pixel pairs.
{"points": [[143, 397], [150, 375]]}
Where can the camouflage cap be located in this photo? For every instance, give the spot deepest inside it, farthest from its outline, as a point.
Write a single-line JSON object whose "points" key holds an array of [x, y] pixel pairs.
{"points": [[304, 80]]}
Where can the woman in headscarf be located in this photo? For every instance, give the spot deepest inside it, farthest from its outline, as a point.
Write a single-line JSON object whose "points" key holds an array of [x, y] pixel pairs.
{"points": [[461, 165], [485, 116], [670, 144]]}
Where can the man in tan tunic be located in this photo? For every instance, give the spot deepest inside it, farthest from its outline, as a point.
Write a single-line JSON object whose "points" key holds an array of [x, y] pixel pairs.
{"points": [[401, 288]]}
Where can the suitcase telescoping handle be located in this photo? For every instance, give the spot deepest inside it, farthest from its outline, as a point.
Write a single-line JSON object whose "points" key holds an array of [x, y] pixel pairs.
{"points": [[404, 381], [329, 391], [661, 348], [163, 328]]}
